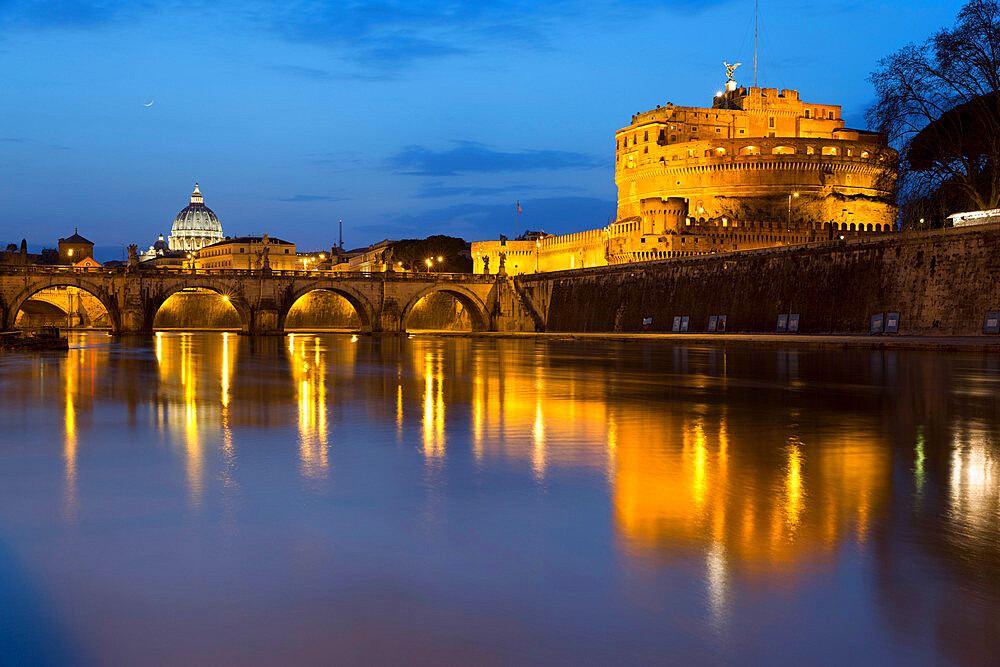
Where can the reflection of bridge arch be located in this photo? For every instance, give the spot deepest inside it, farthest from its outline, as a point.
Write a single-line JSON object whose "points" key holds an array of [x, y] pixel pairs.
{"points": [[109, 303], [357, 301], [236, 300], [472, 304]]}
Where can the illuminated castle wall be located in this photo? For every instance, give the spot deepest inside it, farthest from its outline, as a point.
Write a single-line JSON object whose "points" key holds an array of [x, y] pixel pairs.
{"points": [[742, 159], [760, 168]]}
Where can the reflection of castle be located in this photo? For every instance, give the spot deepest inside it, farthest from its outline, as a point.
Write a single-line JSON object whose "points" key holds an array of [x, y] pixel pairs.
{"points": [[760, 168]]}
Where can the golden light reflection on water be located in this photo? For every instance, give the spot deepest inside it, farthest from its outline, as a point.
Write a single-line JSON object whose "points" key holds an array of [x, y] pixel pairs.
{"points": [[310, 373], [70, 387], [680, 474], [193, 400], [434, 412], [715, 491], [974, 485]]}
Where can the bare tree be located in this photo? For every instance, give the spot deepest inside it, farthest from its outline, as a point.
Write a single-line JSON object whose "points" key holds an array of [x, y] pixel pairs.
{"points": [[938, 102]]}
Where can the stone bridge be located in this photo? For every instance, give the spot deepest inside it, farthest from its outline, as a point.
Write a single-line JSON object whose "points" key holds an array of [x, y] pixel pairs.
{"points": [[262, 299]]}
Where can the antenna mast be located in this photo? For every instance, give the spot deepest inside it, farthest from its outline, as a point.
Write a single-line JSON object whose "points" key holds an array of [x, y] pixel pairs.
{"points": [[756, 13]]}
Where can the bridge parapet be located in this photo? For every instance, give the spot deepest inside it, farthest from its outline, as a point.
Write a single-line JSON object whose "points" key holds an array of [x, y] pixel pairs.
{"points": [[132, 296]]}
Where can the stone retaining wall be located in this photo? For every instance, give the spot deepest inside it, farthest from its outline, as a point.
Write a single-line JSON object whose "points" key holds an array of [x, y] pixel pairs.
{"points": [[941, 283]]}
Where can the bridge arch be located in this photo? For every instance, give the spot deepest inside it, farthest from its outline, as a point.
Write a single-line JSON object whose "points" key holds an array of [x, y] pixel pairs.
{"points": [[472, 304], [95, 290], [355, 298], [225, 290]]}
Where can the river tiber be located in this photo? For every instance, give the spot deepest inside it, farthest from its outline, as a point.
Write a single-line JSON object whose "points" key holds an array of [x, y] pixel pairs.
{"points": [[501, 335]]}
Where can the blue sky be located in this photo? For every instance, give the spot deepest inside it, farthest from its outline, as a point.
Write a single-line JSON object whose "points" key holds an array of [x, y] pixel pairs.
{"points": [[402, 118]]}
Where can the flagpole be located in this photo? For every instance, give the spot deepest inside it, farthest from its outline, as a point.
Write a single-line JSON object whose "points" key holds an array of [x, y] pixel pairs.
{"points": [[517, 218]]}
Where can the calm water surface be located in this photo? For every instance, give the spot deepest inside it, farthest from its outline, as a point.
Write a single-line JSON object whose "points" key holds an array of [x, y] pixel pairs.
{"points": [[207, 498]]}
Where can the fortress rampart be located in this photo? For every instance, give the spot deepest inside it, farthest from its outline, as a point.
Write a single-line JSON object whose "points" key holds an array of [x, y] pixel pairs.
{"points": [[941, 283]]}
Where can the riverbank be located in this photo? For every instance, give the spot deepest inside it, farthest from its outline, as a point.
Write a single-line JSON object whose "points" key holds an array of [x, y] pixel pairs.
{"points": [[938, 343]]}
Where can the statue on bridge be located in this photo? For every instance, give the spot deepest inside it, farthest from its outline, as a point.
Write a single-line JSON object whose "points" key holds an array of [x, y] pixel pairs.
{"points": [[263, 262], [133, 256], [486, 264], [502, 271]]}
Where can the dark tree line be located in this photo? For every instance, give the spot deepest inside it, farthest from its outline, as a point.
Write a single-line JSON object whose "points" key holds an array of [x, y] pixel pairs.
{"points": [[938, 102]]}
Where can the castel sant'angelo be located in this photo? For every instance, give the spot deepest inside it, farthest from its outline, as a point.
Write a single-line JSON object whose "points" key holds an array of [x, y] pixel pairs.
{"points": [[758, 168]]}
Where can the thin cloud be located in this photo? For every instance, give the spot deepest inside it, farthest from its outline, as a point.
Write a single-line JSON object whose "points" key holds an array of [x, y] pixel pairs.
{"points": [[307, 198], [317, 74], [33, 142], [438, 190], [471, 157], [473, 222]]}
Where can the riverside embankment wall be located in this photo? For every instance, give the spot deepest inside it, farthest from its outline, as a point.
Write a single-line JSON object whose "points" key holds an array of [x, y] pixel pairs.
{"points": [[941, 283]]}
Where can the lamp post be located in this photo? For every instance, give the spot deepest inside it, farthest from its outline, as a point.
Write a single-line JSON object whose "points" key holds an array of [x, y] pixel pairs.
{"points": [[538, 247], [788, 220]]}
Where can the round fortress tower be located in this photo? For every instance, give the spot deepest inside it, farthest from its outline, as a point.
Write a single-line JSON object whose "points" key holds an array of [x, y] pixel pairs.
{"points": [[758, 154]]}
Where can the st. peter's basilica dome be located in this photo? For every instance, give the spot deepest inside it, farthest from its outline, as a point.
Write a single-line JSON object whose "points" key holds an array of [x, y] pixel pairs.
{"points": [[196, 226]]}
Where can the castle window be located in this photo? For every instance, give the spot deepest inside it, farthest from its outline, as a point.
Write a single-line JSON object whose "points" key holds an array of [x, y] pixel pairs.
{"points": [[673, 137], [626, 142], [662, 135], [810, 150], [831, 115], [807, 113], [830, 150], [783, 150], [770, 121], [645, 135], [694, 128], [864, 153], [742, 131], [718, 130]]}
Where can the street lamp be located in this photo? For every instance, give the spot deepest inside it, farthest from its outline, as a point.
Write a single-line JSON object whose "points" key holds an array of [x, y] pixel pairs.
{"points": [[788, 220], [538, 247]]}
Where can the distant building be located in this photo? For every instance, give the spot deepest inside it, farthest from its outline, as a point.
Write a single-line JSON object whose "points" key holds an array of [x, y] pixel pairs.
{"points": [[969, 218], [18, 255], [195, 227], [75, 248], [248, 252], [158, 249]]}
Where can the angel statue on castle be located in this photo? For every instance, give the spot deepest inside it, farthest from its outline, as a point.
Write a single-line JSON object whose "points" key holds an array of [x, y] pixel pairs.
{"points": [[730, 69]]}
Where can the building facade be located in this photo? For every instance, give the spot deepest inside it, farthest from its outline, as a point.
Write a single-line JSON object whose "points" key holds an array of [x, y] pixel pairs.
{"points": [[75, 248], [248, 253]]}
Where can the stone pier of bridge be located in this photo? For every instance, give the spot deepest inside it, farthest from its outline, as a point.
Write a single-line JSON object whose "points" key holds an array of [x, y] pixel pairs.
{"points": [[383, 301]]}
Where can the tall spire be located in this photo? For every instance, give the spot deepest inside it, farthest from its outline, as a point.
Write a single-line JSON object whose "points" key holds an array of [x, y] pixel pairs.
{"points": [[196, 197]]}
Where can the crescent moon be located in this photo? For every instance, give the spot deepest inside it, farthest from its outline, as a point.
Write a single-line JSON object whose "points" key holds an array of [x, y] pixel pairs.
{"points": [[148, 105]]}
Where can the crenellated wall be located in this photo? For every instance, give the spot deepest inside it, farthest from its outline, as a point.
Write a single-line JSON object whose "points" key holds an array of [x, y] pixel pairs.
{"points": [[941, 283]]}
